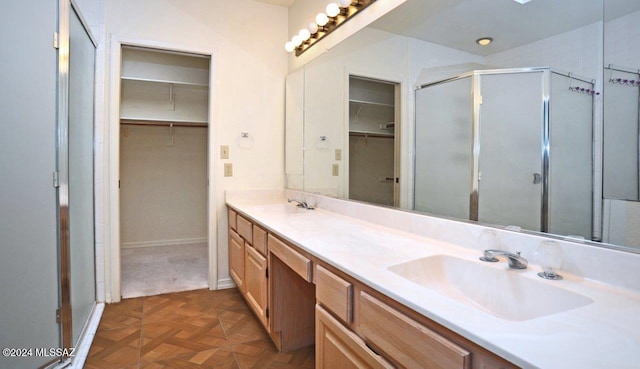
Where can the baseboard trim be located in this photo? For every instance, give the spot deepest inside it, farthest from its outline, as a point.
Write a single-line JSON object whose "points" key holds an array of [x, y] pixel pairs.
{"points": [[182, 241], [225, 283]]}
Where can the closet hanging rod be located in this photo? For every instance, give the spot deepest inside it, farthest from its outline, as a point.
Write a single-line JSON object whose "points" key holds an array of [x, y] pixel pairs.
{"points": [[365, 134], [159, 123]]}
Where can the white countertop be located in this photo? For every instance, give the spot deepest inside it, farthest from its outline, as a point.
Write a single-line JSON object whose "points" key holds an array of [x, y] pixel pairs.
{"points": [[604, 334]]}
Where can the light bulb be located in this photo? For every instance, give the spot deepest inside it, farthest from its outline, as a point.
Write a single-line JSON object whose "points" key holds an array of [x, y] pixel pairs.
{"points": [[304, 34], [313, 28], [344, 3], [322, 19], [297, 40], [289, 46], [333, 10]]}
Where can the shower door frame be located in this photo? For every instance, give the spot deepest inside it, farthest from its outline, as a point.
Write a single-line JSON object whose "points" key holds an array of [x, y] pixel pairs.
{"points": [[476, 91], [476, 86]]}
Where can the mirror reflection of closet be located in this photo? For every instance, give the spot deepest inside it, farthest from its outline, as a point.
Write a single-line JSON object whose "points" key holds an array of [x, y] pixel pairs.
{"points": [[372, 141], [163, 171]]}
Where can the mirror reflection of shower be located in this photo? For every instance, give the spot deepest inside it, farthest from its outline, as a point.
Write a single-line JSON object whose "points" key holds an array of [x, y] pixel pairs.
{"points": [[510, 147], [621, 137]]}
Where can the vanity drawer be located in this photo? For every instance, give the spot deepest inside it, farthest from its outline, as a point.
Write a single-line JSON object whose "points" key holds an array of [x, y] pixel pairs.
{"points": [[260, 240], [293, 259], [405, 340], [232, 219], [245, 229], [334, 293], [337, 347]]}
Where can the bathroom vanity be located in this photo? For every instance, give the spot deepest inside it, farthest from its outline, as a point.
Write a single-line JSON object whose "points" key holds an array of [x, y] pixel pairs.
{"points": [[393, 296]]}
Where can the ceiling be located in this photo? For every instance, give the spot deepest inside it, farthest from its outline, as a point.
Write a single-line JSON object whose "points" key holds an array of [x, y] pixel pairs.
{"points": [[285, 3], [458, 23]]}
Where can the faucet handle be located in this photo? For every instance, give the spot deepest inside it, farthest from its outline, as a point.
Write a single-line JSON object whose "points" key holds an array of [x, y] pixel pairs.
{"points": [[488, 256]]}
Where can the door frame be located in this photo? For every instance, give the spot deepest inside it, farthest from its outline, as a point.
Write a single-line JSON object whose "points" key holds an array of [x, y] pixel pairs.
{"points": [[545, 82], [112, 266], [65, 10], [403, 160]]}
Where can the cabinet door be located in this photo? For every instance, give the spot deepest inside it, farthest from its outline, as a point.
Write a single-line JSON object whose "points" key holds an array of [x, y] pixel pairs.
{"points": [[337, 347], [236, 259], [256, 283]]}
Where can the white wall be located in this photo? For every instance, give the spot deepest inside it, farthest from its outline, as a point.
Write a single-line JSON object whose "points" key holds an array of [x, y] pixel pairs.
{"points": [[326, 94], [247, 92], [621, 37], [621, 219]]}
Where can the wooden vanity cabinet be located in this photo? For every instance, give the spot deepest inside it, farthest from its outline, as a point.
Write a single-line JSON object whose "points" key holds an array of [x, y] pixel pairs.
{"points": [[302, 300], [390, 331], [236, 259], [232, 218], [255, 283], [248, 264]]}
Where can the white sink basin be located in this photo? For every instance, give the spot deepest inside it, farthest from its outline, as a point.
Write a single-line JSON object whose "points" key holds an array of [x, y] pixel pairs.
{"points": [[490, 287]]}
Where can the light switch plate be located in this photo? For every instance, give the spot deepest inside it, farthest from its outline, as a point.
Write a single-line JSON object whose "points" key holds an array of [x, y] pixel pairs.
{"points": [[224, 152], [338, 154], [228, 170], [336, 170]]}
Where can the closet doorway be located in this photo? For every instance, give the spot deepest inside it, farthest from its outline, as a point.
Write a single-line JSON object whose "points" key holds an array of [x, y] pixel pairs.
{"points": [[163, 183], [373, 141]]}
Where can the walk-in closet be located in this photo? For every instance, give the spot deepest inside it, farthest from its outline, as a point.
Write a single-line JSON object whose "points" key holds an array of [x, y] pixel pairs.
{"points": [[372, 141], [163, 171]]}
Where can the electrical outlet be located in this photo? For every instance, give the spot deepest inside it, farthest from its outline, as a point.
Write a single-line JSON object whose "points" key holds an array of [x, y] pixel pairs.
{"points": [[224, 152], [228, 170], [336, 170], [338, 154]]}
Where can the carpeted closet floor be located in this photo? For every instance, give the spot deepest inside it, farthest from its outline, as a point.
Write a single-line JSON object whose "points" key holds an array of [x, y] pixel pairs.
{"points": [[149, 271]]}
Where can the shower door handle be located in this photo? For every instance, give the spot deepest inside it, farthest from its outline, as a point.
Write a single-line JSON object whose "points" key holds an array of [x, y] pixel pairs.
{"points": [[537, 178]]}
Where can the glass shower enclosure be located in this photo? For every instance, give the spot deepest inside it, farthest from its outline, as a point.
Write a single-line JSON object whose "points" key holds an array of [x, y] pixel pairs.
{"points": [[507, 147]]}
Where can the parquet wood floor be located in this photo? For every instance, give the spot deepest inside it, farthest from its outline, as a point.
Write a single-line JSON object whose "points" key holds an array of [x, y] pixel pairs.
{"points": [[188, 330]]}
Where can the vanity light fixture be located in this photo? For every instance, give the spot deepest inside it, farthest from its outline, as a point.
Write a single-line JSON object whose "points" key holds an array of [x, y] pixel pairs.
{"points": [[484, 41], [335, 15]]}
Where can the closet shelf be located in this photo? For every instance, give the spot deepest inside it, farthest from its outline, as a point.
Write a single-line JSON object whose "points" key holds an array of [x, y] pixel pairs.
{"points": [[179, 83], [371, 134], [371, 103], [162, 122]]}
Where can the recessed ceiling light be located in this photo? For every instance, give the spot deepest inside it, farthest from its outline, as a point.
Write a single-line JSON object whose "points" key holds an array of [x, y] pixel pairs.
{"points": [[522, 1], [484, 41]]}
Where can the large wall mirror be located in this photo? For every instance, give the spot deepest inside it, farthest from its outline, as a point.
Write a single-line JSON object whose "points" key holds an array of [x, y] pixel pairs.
{"points": [[537, 129]]}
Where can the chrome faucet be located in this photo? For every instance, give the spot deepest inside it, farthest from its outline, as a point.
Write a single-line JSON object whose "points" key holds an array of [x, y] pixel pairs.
{"points": [[515, 260], [301, 204]]}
